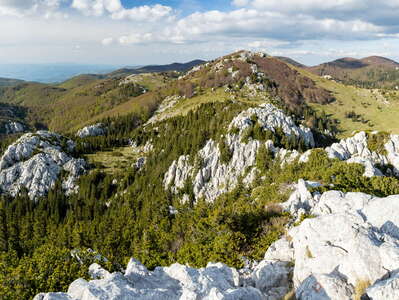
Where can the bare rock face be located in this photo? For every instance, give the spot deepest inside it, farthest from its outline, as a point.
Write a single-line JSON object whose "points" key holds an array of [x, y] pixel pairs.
{"points": [[213, 177], [387, 289], [35, 162], [92, 130], [270, 118], [352, 237], [216, 281], [355, 150]]}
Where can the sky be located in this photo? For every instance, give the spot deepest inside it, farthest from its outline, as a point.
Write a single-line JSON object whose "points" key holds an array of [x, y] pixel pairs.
{"points": [[139, 32]]}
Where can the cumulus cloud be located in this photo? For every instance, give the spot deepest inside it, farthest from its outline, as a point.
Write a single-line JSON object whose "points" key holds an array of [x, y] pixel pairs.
{"points": [[379, 12], [266, 43], [267, 25], [212, 25], [240, 2], [22, 8], [115, 9]]}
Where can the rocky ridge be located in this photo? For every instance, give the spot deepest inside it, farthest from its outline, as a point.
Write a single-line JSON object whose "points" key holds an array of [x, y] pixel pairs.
{"points": [[35, 162], [214, 177]]}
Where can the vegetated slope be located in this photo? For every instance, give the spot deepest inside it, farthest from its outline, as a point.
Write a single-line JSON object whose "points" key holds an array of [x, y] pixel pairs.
{"points": [[85, 98], [250, 77], [359, 108], [80, 80], [9, 82], [71, 104], [291, 61], [370, 72]]}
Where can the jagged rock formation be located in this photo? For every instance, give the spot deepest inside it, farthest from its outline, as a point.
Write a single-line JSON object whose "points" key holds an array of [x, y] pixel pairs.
{"points": [[355, 150], [216, 281], [271, 118], [353, 237], [35, 162], [214, 177], [92, 130]]}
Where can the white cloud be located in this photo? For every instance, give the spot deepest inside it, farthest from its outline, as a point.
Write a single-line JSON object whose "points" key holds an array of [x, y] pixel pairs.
{"points": [[115, 9], [144, 13], [264, 44], [107, 41], [21, 8], [137, 38], [240, 3], [266, 25]]}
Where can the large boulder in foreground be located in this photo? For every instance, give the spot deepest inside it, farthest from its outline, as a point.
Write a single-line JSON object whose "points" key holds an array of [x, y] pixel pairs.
{"points": [[35, 162], [351, 238]]}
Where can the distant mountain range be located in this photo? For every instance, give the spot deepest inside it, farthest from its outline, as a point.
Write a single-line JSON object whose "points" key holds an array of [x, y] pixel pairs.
{"points": [[179, 67], [53, 73], [50, 73], [368, 72]]}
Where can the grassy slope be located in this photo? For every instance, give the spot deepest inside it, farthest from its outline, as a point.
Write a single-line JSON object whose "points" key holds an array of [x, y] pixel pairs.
{"points": [[113, 161], [380, 111], [80, 100], [369, 72]]}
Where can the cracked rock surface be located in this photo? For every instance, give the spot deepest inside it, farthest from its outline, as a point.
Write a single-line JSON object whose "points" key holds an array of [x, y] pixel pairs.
{"points": [[35, 162], [215, 177]]}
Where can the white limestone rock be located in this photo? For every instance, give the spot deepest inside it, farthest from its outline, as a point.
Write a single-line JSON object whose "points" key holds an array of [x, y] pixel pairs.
{"points": [[387, 289], [216, 281], [140, 162], [270, 118], [35, 161], [301, 200], [212, 177], [53, 296], [352, 237], [97, 272], [355, 150], [272, 278], [280, 250], [92, 130], [324, 287]]}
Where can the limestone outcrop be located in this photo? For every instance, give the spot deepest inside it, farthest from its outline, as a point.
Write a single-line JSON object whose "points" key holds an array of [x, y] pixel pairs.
{"points": [[92, 130], [35, 162]]}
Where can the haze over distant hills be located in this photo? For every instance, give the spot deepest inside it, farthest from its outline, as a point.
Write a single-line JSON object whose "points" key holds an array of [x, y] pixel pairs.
{"points": [[53, 73], [50, 73]]}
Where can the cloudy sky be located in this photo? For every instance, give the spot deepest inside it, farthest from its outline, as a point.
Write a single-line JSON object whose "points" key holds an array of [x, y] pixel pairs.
{"points": [[137, 32]]}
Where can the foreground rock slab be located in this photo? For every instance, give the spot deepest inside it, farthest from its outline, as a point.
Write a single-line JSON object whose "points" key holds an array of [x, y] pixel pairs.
{"points": [[216, 281]]}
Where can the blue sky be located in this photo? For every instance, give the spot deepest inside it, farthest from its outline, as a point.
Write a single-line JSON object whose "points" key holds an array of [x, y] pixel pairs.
{"points": [[137, 32]]}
